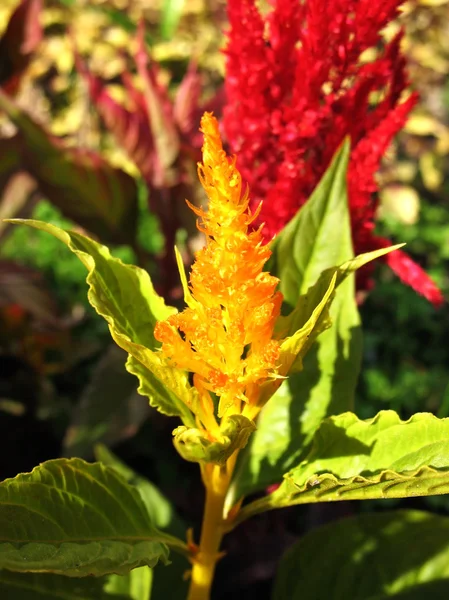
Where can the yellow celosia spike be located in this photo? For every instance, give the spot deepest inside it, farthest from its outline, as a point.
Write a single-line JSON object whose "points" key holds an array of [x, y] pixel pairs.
{"points": [[225, 335]]}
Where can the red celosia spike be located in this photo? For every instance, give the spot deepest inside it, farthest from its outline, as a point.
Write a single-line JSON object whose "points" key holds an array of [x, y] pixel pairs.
{"points": [[413, 275], [296, 87]]}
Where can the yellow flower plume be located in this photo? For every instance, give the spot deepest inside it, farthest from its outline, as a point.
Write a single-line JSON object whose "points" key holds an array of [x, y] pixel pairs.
{"points": [[224, 336]]}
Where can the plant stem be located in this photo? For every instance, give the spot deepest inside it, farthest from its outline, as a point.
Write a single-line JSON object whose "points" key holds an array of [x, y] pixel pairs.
{"points": [[216, 480]]}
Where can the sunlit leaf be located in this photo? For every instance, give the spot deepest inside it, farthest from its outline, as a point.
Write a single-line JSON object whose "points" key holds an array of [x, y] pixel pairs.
{"points": [[351, 459], [74, 518], [125, 297], [169, 582], [401, 555], [159, 508], [317, 238], [136, 585]]}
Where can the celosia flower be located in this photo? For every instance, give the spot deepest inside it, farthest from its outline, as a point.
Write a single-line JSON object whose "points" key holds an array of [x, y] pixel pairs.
{"points": [[224, 336], [297, 84]]}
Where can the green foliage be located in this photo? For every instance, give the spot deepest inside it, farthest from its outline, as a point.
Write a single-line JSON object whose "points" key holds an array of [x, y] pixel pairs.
{"points": [[159, 508], [406, 356], [125, 297], [401, 554], [136, 585], [310, 244], [351, 459], [73, 518], [166, 583], [171, 14], [37, 249], [32, 586], [68, 517]]}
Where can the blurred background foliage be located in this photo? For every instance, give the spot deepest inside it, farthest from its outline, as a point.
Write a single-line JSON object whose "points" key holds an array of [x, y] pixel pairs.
{"points": [[56, 358]]}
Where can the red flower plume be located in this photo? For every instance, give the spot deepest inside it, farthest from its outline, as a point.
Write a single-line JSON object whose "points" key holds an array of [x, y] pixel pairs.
{"points": [[297, 85]]}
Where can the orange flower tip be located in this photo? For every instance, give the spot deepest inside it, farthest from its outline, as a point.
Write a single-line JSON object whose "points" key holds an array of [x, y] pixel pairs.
{"points": [[256, 213], [209, 123], [162, 331], [198, 211]]}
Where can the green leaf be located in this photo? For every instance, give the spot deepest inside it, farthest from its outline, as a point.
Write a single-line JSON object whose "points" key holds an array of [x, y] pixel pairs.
{"points": [[167, 583], [351, 459], [136, 585], [158, 507], [74, 518], [125, 297], [437, 590], [80, 183], [315, 240], [287, 423], [171, 14], [166, 386], [399, 554], [33, 586], [109, 410]]}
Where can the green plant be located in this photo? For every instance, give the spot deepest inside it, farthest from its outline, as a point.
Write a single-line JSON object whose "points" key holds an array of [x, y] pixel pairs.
{"points": [[274, 360]]}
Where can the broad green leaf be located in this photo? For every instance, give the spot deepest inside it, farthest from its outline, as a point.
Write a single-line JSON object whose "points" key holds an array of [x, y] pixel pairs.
{"points": [[399, 554], [38, 586], [351, 459], [275, 445], [158, 507], [74, 518], [109, 409], [165, 582], [316, 240], [125, 297], [85, 187]]}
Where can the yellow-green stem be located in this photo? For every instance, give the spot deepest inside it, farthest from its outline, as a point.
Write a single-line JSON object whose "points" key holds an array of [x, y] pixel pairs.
{"points": [[216, 480]]}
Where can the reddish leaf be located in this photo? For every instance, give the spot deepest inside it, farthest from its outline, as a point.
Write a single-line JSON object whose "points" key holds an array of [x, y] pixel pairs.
{"points": [[22, 36], [17, 200], [160, 113], [186, 102], [10, 159], [87, 189], [131, 128]]}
